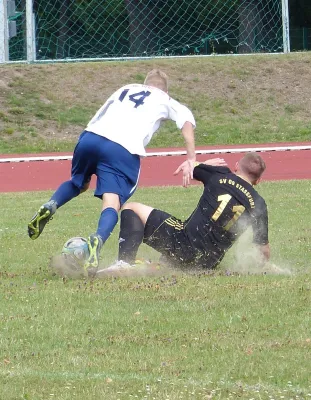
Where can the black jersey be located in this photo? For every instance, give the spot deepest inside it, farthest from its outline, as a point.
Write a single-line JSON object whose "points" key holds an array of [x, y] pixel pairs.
{"points": [[227, 207]]}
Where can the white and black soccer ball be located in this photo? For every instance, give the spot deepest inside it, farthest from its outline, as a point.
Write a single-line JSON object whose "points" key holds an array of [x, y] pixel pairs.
{"points": [[77, 248], [70, 263]]}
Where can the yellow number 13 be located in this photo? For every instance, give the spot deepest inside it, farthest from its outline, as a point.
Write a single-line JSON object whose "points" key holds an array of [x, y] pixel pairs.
{"points": [[237, 210]]}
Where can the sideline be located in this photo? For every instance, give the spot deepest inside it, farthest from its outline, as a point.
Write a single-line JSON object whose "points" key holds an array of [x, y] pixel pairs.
{"points": [[167, 153]]}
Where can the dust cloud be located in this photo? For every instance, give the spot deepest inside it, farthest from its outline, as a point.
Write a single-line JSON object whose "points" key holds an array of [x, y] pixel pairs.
{"points": [[246, 259]]}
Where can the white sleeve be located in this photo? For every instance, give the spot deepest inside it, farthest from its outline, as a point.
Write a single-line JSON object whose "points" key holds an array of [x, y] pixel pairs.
{"points": [[180, 114]]}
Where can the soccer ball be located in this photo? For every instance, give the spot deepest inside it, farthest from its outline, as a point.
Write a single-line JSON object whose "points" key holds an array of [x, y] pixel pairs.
{"points": [[70, 263], [77, 249]]}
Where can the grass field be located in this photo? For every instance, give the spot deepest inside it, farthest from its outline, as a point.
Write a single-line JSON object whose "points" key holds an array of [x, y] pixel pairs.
{"points": [[234, 333]]}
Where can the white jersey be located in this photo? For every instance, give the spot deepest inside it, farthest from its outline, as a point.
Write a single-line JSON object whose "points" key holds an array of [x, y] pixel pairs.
{"points": [[133, 114]]}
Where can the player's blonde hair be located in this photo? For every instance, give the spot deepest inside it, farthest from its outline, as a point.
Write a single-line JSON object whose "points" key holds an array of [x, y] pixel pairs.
{"points": [[158, 79], [253, 166]]}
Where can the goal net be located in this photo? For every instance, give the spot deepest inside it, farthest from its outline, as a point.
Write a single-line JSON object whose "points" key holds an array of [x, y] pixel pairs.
{"points": [[81, 29]]}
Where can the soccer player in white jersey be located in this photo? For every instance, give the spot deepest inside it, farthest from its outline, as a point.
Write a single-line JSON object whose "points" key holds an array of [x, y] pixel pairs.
{"points": [[111, 147]]}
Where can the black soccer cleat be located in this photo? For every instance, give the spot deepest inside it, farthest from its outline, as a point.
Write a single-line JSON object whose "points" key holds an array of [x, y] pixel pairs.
{"points": [[41, 218]]}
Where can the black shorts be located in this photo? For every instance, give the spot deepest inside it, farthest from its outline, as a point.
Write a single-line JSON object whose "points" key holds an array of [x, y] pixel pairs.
{"points": [[165, 233]]}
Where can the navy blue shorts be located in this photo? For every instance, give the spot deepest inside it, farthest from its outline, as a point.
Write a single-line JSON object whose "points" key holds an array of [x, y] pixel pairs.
{"points": [[116, 169]]}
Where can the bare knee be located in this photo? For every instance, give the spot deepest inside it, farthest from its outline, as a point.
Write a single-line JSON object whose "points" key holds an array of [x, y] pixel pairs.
{"points": [[129, 206], [111, 200], [139, 209]]}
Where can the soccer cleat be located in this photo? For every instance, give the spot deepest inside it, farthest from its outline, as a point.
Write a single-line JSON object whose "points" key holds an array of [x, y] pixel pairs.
{"points": [[123, 265], [123, 269], [95, 244], [41, 218], [119, 266]]}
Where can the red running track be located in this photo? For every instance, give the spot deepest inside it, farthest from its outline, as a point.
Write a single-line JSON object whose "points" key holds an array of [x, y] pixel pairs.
{"points": [[155, 171]]}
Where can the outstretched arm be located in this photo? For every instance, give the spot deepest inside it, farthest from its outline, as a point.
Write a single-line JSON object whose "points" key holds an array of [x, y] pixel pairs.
{"points": [[201, 173], [215, 162], [204, 170], [187, 166], [188, 134]]}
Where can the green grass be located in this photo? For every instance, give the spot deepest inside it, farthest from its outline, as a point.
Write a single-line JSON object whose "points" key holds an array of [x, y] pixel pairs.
{"points": [[235, 100], [224, 335]]}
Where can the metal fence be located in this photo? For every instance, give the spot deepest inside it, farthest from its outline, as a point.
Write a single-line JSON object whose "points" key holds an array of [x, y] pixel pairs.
{"points": [[49, 30]]}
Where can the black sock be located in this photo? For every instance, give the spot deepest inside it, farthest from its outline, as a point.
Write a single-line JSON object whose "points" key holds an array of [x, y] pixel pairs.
{"points": [[131, 235]]}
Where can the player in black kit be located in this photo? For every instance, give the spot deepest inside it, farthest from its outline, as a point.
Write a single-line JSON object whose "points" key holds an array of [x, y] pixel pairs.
{"points": [[228, 206]]}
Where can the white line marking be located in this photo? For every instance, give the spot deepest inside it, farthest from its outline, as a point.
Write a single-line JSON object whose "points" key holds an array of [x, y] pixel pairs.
{"points": [[167, 153]]}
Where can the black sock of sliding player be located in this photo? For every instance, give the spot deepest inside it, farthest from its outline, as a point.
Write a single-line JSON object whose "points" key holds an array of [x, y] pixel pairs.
{"points": [[130, 237]]}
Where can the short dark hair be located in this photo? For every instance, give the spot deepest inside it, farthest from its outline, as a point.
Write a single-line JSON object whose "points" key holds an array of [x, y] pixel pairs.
{"points": [[252, 165]]}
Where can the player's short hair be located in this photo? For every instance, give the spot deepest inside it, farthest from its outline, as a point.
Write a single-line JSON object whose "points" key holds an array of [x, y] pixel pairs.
{"points": [[252, 165], [158, 79]]}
